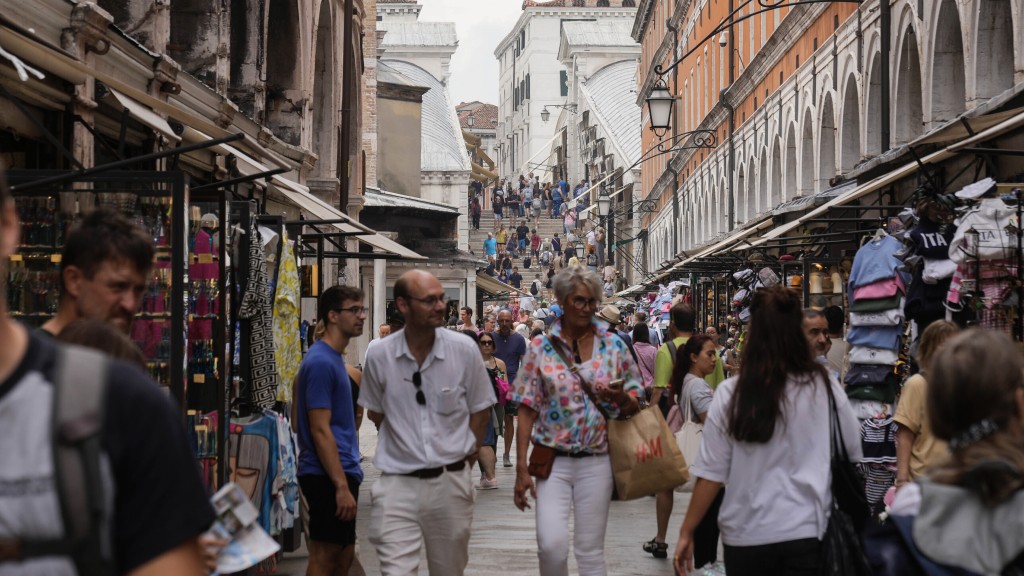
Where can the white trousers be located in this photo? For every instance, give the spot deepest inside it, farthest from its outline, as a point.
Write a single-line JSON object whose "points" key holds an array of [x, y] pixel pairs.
{"points": [[409, 512], [586, 485]]}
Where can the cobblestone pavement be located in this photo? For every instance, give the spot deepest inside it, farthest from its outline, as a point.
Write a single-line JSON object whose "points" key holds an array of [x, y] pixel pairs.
{"points": [[504, 539]]}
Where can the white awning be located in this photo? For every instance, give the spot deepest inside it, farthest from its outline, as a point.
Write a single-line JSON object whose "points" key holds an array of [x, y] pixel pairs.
{"points": [[299, 195], [143, 114]]}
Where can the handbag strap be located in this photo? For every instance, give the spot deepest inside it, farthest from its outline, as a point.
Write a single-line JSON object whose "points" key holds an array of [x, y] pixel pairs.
{"points": [[684, 395], [574, 369], [835, 430]]}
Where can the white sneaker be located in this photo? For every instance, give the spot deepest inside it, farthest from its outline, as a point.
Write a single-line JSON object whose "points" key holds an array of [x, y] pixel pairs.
{"points": [[507, 462], [486, 484]]}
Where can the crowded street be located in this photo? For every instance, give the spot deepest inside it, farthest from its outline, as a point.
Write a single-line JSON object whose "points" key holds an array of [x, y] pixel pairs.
{"points": [[503, 538]]}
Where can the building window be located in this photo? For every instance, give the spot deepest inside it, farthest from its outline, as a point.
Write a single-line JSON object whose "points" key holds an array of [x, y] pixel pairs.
{"points": [[563, 78], [579, 3], [527, 86], [628, 4], [522, 39], [603, 4]]}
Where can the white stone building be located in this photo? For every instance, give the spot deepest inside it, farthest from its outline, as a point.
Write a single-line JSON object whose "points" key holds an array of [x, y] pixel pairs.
{"points": [[531, 76]]}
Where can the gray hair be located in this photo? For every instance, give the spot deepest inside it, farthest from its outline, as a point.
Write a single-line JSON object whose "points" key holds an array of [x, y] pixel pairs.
{"points": [[573, 277]]}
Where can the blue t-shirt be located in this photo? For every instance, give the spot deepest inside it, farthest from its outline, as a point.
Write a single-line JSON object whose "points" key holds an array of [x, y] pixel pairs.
{"points": [[490, 246], [887, 337], [875, 261], [324, 383], [556, 310], [509, 350]]}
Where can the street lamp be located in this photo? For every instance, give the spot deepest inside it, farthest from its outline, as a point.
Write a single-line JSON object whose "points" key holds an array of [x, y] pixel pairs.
{"points": [[604, 203], [659, 107], [545, 115]]}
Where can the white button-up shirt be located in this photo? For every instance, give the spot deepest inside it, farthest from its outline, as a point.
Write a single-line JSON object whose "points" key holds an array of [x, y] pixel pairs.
{"points": [[456, 385]]}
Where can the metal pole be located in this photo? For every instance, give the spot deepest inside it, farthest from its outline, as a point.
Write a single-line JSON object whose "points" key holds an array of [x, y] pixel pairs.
{"points": [[732, 118], [72, 176], [886, 118]]}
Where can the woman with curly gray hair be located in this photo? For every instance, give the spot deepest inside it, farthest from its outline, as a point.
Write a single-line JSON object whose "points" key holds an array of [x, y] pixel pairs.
{"points": [[562, 376]]}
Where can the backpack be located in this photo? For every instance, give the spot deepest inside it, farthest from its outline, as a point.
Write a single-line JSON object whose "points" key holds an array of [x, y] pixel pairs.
{"points": [[80, 388], [533, 288], [591, 259]]}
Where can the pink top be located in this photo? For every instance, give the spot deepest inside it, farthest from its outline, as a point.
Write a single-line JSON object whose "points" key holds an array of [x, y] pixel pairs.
{"points": [[882, 289]]}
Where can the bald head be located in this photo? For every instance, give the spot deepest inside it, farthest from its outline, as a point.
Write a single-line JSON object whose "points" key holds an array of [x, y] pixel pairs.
{"points": [[421, 300], [505, 322]]}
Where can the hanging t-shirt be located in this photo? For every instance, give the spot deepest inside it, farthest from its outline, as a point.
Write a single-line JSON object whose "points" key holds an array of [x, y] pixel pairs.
{"points": [[256, 308], [887, 337], [288, 346], [931, 240], [866, 355], [875, 261]]}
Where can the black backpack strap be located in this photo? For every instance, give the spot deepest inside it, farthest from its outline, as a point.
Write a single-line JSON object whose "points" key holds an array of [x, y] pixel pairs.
{"points": [[78, 413]]}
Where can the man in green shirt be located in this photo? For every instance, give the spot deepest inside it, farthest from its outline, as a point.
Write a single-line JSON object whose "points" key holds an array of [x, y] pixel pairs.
{"points": [[683, 320]]}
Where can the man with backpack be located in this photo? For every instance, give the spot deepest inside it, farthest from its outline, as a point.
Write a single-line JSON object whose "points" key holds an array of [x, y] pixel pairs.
{"points": [[127, 497]]}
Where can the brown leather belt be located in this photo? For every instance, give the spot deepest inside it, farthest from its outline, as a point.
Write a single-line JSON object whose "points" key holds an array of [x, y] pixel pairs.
{"points": [[427, 473]]}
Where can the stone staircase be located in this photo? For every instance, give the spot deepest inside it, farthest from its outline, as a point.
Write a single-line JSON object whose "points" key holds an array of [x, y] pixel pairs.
{"points": [[547, 229]]}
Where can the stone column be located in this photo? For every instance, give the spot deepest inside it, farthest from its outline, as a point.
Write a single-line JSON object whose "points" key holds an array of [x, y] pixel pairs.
{"points": [[85, 35]]}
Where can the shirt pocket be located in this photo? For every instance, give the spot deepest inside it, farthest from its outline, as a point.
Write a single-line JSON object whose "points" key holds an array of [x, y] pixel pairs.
{"points": [[449, 400]]}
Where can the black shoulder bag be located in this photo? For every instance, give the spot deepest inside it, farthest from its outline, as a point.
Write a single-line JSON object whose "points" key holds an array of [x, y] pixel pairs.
{"points": [[842, 550]]}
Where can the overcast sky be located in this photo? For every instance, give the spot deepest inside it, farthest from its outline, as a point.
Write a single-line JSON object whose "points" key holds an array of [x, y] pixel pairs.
{"points": [[480, 24]]}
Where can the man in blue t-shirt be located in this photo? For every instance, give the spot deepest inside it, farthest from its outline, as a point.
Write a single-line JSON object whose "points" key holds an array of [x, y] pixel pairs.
{"points": [[510, 348], [329, 471]]}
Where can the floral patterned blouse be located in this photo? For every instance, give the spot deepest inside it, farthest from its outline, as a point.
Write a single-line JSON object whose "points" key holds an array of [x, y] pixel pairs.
{"points": [[567, 419]]}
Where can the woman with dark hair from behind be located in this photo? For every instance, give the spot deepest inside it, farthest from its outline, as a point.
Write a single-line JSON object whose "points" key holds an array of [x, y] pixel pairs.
{"points": [[103, 337], [646, 353], [767, 437], [967, 513]]}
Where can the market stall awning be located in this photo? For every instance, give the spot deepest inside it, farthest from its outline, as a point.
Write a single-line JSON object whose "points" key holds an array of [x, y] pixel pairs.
{"points": [[492, 285], [144, 115], [892, 177], [299, 195], [757, 225], [377, 198], [634, 289]]}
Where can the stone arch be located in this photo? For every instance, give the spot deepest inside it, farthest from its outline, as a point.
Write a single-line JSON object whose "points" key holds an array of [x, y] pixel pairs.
{"points": [[776, 177], [994, 67], [807, 184], [826, 143], [948, 92], [284, 98], [325, 105], [908, 121], [762, 182], [873, 117], [849, 153], [790, 185]]}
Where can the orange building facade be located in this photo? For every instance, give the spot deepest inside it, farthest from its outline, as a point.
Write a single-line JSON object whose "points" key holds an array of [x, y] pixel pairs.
{"points": [[794, 98]]}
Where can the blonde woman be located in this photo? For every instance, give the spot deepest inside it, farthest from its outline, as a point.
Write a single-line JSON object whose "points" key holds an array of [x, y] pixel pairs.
{"points": [[917, 448]]}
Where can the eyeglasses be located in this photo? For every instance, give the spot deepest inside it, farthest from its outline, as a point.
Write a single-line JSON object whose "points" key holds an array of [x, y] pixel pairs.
{"points": [[580, 303], [430, 302], [417, 381], [357, 310]]}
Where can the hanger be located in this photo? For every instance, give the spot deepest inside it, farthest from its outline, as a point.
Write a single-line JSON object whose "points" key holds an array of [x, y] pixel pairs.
{"points": [[878, 235], [24, 70]]}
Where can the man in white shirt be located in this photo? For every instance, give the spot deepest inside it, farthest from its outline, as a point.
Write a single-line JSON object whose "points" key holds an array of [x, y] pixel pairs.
{"points": [[428, 392]]}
